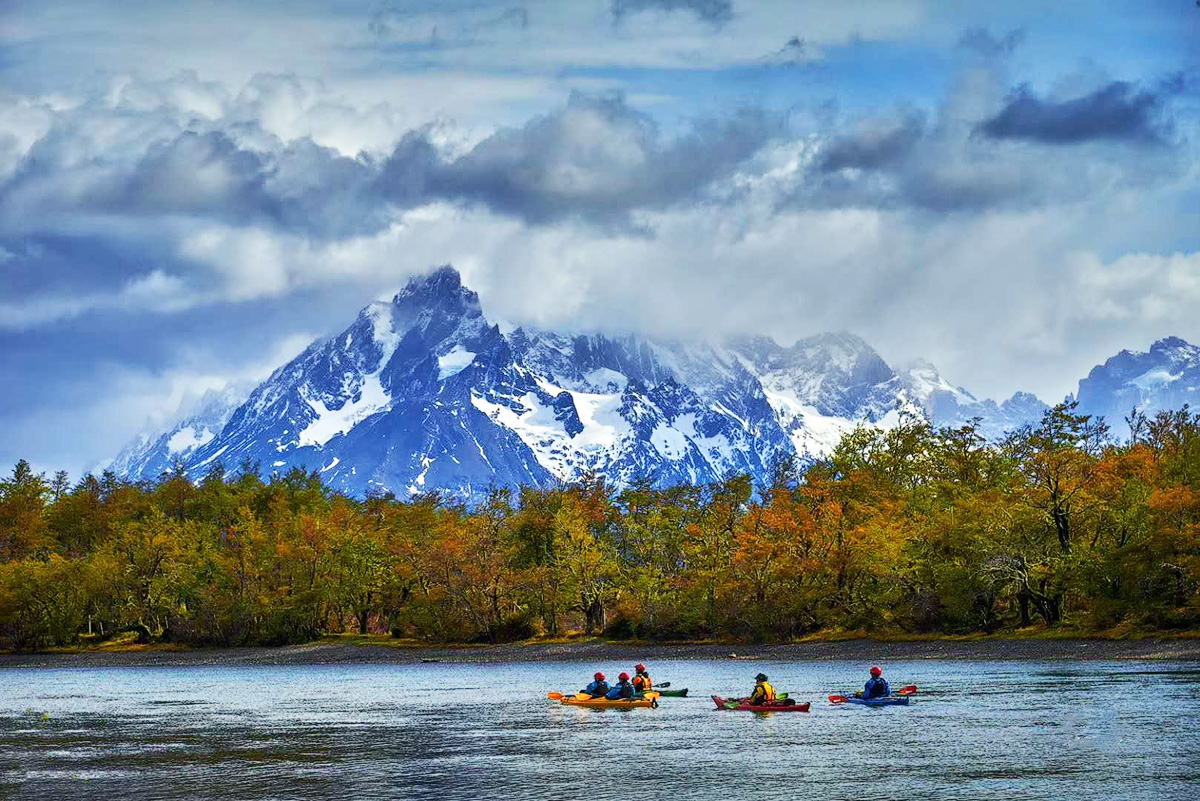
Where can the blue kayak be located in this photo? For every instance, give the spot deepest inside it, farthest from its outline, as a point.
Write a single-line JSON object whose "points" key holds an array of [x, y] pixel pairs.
{"points": [[892, 700]]}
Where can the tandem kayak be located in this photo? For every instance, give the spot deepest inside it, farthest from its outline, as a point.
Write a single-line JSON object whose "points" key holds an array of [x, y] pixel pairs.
{"points": [[649, 701], [745, 706], [669, 693], [891, 700]]}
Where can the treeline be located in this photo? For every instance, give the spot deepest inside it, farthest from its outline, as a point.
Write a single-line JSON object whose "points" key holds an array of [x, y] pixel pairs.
{"points": [[912, 529]]}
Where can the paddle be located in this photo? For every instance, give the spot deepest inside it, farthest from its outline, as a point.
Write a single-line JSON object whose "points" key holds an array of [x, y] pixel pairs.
{"points": [[910, 689]]}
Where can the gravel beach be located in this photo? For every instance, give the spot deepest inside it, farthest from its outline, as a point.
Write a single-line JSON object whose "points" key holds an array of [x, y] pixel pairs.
{"points": [[332, 653]]}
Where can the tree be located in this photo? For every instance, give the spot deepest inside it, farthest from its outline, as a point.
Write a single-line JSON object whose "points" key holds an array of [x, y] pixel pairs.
{"points": [[23, 530]]}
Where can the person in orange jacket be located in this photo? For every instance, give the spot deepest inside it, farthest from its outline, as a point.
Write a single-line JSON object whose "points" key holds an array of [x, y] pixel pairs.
{"points": [[641, 679]]}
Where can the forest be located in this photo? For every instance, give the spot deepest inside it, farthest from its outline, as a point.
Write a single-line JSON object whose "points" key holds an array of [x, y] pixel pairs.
{"points": [[912, 530]]}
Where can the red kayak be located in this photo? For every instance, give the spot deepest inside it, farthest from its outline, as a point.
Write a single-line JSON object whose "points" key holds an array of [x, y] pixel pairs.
{"points": [[744, 705]]}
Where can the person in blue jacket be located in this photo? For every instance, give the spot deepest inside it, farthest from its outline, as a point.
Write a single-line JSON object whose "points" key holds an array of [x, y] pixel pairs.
{"points": [[622, 689], [598, 688], [877, 686]]}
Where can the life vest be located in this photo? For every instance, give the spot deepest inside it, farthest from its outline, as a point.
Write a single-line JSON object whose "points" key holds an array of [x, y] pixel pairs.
{"points": [[620, 690], [764, 693], [642, 683]]}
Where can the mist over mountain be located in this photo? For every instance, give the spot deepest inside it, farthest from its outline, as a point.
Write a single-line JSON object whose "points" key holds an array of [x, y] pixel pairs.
{"points": [[425, 393]]}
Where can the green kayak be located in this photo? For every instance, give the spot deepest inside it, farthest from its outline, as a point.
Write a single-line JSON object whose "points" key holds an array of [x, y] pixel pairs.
{"points": [[669, 693]]}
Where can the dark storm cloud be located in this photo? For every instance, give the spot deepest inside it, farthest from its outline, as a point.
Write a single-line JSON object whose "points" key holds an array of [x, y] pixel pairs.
{"points": [[299, 187], [872, 148], [1031, 153], [194, 173], [717, 12], [596, 160], [1118, 111]]}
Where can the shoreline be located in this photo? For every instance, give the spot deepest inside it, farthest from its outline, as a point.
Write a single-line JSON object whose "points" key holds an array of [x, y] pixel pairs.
{"points": [[333, 652]]}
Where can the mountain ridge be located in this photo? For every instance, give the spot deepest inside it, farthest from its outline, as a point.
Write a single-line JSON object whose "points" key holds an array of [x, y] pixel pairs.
{"points": [[425, 393]]}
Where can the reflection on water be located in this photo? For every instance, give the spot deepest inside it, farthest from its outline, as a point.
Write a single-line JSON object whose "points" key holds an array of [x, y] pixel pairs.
{"points": [[1008, 730]]}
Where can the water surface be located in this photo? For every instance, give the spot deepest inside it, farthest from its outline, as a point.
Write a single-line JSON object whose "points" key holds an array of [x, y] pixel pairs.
{"points": [[1019, 730]]}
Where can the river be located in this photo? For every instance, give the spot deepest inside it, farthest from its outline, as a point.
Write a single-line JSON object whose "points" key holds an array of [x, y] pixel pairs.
{"points": [[1008, 730]]}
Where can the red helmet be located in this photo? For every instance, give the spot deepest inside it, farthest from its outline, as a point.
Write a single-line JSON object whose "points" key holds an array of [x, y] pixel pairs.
{"points": [[623, 677], [599, 677], [876, 671], [640, 668]]}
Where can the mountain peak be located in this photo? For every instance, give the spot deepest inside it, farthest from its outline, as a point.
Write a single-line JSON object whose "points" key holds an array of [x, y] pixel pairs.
{"points": [[1172, 346], [423, 393], [835, 339], [1165, 377], [442, 283]]}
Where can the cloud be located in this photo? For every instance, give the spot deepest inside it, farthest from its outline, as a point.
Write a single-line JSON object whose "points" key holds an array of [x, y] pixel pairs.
{"points": [[877, 145], [180, 188], [459, 27], [793, 53], [1117, 112], [717, 12], [155, 291], [597, 159], [1136, 288], [983, 152], [983, 43], [194, 173]]}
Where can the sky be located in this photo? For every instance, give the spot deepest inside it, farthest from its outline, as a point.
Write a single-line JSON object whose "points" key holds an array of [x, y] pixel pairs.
{"points": [[191, 192]]}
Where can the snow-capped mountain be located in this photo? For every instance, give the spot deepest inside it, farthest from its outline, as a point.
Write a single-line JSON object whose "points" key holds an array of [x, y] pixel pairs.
{"points": [[424, 393], [151, 454], [948, 405], [1165, 377]]}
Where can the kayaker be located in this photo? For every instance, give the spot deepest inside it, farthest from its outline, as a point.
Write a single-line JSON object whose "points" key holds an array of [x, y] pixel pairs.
{"points": [[764, 693], [598, 688], [641, 679], [876, 686], [622, 689]]}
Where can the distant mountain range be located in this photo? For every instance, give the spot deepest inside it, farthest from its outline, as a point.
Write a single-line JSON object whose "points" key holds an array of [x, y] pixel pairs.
{"points": [[424, 393]]}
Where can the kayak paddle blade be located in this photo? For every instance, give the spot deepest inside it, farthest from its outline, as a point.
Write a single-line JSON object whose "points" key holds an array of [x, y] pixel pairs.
{"points": [[909, 690]]}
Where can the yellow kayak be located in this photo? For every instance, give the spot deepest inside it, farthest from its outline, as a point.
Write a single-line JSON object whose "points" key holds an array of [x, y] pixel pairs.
{"points": [[648, 701]]}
